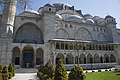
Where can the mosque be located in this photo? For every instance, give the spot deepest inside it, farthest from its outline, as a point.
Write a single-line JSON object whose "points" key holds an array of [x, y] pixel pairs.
{"points": [[58, 31]]}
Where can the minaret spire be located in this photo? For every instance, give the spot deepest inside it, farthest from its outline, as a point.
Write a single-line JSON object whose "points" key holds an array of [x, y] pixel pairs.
{"points": [[26, 6]]}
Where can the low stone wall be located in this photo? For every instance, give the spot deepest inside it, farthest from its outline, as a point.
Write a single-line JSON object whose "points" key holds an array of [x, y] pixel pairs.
{"points": [[92, 66]]}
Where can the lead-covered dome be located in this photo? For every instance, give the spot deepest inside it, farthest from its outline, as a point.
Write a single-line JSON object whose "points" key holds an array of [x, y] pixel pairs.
{"points": [[58, 17], [75, 18], [89, 21], [31, 11]]}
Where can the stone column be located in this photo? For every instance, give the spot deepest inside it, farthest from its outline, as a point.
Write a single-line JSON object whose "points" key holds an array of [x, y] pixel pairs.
{"points": [[74, 59], [65, 59], [34, 57], [21, 58], [54, 57]]}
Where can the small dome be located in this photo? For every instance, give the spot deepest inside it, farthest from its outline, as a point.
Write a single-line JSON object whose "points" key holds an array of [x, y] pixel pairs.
{"points": [[31, 11], [89, 21], [49, 5], [73, 17], [108, 16], [58, 16], [87, 16], [95, 18]]}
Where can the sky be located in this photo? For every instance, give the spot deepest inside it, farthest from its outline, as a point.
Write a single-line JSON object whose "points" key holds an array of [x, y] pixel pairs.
{"points": [[94, 7]]}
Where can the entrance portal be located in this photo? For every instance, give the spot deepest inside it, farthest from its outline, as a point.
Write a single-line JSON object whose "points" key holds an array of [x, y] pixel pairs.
{"points": [[28, 60]]}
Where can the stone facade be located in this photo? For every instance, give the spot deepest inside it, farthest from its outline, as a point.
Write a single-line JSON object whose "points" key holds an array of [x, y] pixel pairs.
{"points": [[60, 31]]}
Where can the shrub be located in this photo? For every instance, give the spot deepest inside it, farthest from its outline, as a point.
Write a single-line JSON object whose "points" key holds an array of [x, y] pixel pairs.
{"points": [[5, 73], [46, 72], [60, 72], [1, 76], [99, 70], [0, 68], [76, 73], [11, 70], [106, 70], [110, 70], [10, 75]]}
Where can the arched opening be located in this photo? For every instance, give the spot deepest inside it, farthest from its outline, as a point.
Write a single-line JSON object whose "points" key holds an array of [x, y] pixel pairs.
{"points": [[28, 33], [16, 56], [106, 58], [62, 34], [96, 58], [83, 59], [76, 59], [39, 56], [112, 58], [89, 58], [83, 34], [28, 57], [101, 59], [60, 56], [69, 59]]}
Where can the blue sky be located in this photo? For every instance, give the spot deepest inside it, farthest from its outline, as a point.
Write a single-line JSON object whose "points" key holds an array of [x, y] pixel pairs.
{"points": [[93, 7]]}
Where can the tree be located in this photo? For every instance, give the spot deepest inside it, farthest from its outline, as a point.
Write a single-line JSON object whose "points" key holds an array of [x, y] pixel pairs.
{"points": [[5, 73], [60, 72], [76, 73], [0, 68], [21, 4], [1, 72], [46, 72]]}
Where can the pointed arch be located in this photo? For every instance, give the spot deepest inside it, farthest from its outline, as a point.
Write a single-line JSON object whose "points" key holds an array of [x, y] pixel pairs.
{"points": [[39, 56], [83, 33], [101, 37], [62, 34], [96, 58], [16, 55], [69, 59], [106, 58], [82, 58], [28, 33], [28, 56], [89, 58], [60, 56], [112, 58]]}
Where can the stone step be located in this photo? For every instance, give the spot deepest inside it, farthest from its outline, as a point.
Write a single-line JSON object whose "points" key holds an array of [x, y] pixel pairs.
{"points": [[26, 70]]}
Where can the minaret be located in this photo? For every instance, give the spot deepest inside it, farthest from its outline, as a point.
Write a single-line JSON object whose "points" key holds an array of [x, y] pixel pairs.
{"points": [[6, 33], [8, 17]]}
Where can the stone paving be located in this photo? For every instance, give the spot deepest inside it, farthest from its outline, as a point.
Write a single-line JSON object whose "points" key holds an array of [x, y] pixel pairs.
{"points": [[25, 76]]}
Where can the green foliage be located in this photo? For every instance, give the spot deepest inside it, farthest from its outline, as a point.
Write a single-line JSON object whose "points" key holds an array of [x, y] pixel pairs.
{"points": [[99, 70], [5, 69], [60, 72], [76, 73], [0, 68], [104, 75], [11, 70], [10, 75], [5, 72], [46, 72], [1, 76]]}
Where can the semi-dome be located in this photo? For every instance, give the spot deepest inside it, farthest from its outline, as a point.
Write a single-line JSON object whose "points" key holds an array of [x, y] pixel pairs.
{"points": [[88, 16], [73, 17], [57, 16], [108, 16], [95, 18], [31, 11], [89, 21], [49, 5]]}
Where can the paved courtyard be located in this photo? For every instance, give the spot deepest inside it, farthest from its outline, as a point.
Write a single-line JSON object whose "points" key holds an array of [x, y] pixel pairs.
{"points": [[25, 76]]}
